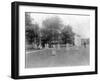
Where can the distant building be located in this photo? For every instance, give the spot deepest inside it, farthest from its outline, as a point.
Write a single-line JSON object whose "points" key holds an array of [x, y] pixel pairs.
{"points": [[86, 40], [77, 40]]}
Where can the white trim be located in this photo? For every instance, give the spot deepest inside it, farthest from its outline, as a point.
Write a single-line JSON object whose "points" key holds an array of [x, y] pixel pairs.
{"points": [[35, 71]]}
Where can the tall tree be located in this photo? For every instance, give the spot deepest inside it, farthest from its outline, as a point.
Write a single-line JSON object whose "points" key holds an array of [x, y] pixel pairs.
{"points": [[31, 30], [68, 35], [32, 34], [52, 26]]}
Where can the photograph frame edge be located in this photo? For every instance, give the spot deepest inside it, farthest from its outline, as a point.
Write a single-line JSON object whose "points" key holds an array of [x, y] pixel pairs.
{"points": [[15, 43]]}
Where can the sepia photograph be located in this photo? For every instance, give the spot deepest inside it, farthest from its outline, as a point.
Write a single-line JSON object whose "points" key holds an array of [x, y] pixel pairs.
{"points": [[56, 40]]}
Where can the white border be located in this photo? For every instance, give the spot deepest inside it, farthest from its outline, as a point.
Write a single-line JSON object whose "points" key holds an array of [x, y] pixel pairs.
{"points": [[37, 71]]}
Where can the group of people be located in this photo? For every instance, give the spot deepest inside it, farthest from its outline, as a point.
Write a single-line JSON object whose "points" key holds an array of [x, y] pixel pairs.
{"points": [[40, 46], [51, 46]]}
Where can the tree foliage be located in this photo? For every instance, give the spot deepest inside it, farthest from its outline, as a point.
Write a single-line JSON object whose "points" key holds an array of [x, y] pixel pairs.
{"points": [[31, 31], [52, 26], [53, 31], [52, 23], [68, 35]]}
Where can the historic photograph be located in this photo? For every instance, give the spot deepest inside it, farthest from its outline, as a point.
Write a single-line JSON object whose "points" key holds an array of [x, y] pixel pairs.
{"points": [[50, 40], [54, 40]]}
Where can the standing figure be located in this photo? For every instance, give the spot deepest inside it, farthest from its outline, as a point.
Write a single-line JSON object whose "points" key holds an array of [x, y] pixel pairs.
{"points": [[84, 44], [54, 50]]}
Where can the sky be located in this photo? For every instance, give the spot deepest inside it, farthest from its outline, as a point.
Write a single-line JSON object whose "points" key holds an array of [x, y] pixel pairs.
{"points": [[80, 23]]}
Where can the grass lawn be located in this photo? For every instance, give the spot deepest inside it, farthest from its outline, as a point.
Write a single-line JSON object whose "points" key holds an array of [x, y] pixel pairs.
{"points": [[61, 57]]}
